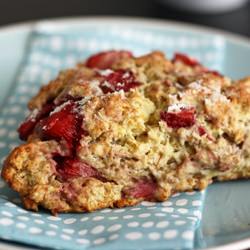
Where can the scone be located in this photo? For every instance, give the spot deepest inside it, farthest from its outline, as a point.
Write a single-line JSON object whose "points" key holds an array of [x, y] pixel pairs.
{"points": [[118, 129]]}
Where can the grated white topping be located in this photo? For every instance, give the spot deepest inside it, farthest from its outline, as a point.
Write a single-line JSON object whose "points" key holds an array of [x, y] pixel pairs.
{"points": [[108, 85], [95, 85], [177, 107], [197, 86], [218, 97], [59, 108], [83, 101], [125, 75], [33, 114], [105, 72]]}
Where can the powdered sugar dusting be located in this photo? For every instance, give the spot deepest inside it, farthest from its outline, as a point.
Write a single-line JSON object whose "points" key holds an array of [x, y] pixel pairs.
{"points": [[59, 108], [177, 107], [105, 72], [95, 85], [33, 115]]}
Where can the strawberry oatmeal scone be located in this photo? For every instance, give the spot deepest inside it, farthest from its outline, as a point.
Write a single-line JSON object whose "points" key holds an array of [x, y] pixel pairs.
{"points": [[118, 129]]}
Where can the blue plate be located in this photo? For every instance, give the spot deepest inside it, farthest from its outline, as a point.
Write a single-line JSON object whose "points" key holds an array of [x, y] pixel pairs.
{"points": [[226, 215]]}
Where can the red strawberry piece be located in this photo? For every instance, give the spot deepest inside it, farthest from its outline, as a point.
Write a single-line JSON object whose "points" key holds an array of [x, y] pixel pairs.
{"points": [[62, 124], [72, 168], [26, 128], [185, 59], [202, 131], [104, 60], [182, 119], [143, 189], [119, 80]]}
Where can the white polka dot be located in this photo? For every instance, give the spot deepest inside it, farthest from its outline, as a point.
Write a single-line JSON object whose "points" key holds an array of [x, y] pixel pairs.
{"points": [[68, 231], [9, 204], [192, 218], [129, 216], [113, 218], [167, 203], [160, 214], [198, 214], [84, 219], [6, 221], [119, 210], [113, 237], [2, 145], [11, 121], [176, 195], [39, 221], [56, 43], [151, 208], [148, 224], [135, 208], [82, 241], [107, 210], [170, 234], [188, 235], [65, 237], [69, 221], [21, 225], [162, 224], [148, 203], [83, 232], [196, 203], [15, 109], [23, 218], [53, 226], [167, 209], [35, 230], [99, 241], [6, 213], [114, 228], [53, 218], [154, 236], [180, 222], [175, 215], [182, 210], [3, 131], [133, 224], [97, 218], [181, 202], [50, 233], [190, 193], [144, 215], [133, 235], [98, 229], [36, 215]]}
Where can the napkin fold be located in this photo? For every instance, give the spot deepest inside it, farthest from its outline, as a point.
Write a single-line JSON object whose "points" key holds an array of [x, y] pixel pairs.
{"points": [[150, 226]]}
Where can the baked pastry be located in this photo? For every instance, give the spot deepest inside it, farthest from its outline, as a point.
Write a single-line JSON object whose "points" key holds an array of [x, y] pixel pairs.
{"points": [[118, 129]]}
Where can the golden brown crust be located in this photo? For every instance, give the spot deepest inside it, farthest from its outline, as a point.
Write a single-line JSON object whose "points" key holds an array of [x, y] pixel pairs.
{"points": [[128, 142]]}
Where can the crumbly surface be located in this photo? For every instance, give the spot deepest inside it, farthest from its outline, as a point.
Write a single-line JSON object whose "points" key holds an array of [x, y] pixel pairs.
{"points": [[177, 129]]}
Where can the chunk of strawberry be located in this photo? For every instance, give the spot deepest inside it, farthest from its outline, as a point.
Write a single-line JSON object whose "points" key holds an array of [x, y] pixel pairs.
{"points": [[202, 131], [183, 119], [68, 168], [104, 60], [143, 189], [185, 59], [26, 128], [119, 80], [62, 124]]}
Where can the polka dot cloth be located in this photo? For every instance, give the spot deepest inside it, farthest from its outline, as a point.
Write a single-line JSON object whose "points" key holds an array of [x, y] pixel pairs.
{"points": [[171, 224]]}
